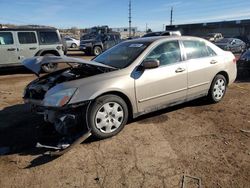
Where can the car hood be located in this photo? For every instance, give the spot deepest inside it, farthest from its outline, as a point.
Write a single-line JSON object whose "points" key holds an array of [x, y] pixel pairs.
{"points": [[35, 63]]}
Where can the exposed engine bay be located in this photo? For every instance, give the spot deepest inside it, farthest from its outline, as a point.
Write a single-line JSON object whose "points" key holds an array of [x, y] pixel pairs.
{"points": [[37, 89]]}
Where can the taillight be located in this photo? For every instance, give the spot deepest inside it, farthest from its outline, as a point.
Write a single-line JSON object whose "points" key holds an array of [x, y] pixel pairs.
{"points": [[234, 60]]}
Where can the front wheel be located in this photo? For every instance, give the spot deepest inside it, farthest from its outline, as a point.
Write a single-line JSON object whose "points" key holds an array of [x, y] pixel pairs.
{"points": [[50, 67], [73, 45], [107, 116], [97, 50], [218, 89]]}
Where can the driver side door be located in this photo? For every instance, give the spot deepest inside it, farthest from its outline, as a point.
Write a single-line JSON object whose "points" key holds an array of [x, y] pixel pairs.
{"points": [[165, 85]]}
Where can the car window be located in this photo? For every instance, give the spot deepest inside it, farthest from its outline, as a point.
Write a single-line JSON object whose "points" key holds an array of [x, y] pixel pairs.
{"points": [[6, 38], [26, 37], [166, 53], [122, 55], [48, 37], [197, 49], [211, 52]]}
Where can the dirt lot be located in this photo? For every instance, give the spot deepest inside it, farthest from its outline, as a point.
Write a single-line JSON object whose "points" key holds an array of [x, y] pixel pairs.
{"points": [[155, 150]]}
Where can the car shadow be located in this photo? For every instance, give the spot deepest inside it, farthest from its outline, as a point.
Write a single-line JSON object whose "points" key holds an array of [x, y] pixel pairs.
{"points": [[150, 117], [21, 129], [14, 70]]}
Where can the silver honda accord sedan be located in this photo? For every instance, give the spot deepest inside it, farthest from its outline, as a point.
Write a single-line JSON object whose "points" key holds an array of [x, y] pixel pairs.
{"points": [[132, 78]]}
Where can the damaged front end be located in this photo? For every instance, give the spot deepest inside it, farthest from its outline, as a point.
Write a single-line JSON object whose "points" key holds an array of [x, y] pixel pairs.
{"points": [[49, 96]]}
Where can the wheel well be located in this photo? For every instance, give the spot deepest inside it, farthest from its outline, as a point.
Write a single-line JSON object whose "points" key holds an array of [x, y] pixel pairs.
{"points": [[223, 73], [125, 98], [50, 52], [98, 46]]}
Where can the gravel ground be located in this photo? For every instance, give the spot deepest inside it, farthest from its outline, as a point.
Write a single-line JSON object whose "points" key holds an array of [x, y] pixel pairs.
{"points": [[155, 150]]}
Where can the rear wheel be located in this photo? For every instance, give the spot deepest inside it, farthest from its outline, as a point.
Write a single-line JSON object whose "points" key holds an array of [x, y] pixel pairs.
{"points": [[108, 116], [50, 67], [217, 89]]}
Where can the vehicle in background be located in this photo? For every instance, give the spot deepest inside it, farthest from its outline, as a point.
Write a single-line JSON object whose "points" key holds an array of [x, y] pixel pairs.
{"points": [[72, 42], [17, 44], [244, 39], [133, 78], [162, 33], [98, 40], [214, 37], [65, 48], [243, 64], [231, 44]]}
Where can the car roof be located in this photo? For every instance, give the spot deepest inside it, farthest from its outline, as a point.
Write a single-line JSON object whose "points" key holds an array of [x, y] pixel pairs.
{"points": [[157, 38], [29, 29]]}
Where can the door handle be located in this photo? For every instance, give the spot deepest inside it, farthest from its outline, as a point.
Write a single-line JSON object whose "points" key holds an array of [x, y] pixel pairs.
{"points": [[33, 48], [11, 49], [213, 62], [179, 70]]}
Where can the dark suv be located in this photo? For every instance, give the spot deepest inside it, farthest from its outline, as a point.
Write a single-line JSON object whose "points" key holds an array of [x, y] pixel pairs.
{"points": [[95, 43]]}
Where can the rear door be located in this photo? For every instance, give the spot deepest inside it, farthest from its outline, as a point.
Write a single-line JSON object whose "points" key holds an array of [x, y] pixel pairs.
{"points": [[27, 44], [202, 65], [8, 48]]}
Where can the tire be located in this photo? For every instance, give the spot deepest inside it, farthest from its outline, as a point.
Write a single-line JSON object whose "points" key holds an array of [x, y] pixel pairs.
{"points": [[218, 89], [107, 116], [51, 67], [73, 45], [97, 50]]}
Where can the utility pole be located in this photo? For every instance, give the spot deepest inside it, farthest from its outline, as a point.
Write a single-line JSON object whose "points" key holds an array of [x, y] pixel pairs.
{"points": [[146, 27], [129, 17], [171, 16]]}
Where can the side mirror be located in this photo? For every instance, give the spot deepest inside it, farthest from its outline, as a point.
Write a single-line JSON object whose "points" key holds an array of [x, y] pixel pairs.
{"points": [[151, 63]]}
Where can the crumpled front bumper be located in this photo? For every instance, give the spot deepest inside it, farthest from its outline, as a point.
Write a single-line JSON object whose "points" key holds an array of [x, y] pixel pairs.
{"points": [[64, 118]]}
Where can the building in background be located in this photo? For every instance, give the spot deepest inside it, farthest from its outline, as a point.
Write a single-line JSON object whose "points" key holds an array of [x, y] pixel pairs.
{"points": [[227, 28], [124, 31]]}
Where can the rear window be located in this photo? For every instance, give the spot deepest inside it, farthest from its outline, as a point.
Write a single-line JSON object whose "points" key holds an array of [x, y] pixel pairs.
{"points": [[48, 37], [197, 49], [26, 37], [6, 38]]}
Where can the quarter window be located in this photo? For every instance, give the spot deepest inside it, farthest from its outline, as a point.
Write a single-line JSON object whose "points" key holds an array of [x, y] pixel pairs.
{"points": [[6, 38], [26, 37], [48, 37], [197, 49], [166, 53]]}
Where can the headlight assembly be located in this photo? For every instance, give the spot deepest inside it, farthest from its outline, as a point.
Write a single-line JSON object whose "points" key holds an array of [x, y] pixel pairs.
{"points": [[59, 98]]}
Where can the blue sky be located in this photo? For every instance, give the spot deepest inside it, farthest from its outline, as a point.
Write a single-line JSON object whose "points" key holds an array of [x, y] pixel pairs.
{"points": [[88, 13]]}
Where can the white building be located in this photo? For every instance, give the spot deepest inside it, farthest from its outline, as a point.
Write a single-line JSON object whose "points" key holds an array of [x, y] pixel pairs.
{"points": [[124, 31]]}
